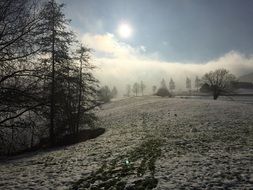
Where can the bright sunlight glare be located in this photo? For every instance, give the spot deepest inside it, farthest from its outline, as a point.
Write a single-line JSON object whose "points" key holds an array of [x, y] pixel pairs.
{"points": [[125, 30]]}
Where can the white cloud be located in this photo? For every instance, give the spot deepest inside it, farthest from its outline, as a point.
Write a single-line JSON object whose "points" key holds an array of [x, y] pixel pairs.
{"points": [[143, 48], [109, 45], [123, 64]]}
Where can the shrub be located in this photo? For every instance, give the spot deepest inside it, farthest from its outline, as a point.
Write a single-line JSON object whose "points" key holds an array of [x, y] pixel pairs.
{"points": [[163, 92]]}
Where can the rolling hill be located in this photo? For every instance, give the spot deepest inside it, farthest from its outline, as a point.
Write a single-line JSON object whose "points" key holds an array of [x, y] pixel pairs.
{"points": [[149, 143], [246, 78]]}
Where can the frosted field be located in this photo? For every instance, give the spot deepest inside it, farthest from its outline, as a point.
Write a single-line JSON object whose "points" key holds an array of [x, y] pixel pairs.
{"points": [[149, 143]]}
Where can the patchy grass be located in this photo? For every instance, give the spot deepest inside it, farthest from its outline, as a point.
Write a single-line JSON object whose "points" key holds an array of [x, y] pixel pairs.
{"points": [[205, 145], [138, 165]]}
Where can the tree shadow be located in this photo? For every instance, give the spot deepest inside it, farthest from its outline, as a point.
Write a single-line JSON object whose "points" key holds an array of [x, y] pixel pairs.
{"points": [[63, 142], [83, 135]]}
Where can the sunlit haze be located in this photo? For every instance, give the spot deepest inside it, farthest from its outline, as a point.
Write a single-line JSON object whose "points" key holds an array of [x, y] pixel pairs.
{"points": [[126, 94], [150, 40], [124, 30]]}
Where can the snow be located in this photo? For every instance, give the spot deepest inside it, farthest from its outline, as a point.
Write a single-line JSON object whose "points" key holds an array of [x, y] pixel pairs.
{"points": [[205, 144]]}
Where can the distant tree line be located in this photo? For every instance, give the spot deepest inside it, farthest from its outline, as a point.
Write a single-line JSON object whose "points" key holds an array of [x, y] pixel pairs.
{"points": [[136, 89], [217, 82], [47, 88], [139, 88]]}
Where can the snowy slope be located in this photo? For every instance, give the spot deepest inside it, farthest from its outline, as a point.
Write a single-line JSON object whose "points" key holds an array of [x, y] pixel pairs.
{"points": [[188, 143], [246, 78]]}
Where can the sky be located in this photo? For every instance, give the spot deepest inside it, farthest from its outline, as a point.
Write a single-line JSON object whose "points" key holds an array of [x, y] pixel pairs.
{"points": [[169, 38]]}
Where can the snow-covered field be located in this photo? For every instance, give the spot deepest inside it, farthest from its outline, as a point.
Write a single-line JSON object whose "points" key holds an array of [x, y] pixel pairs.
{"points": [[150, 142]]}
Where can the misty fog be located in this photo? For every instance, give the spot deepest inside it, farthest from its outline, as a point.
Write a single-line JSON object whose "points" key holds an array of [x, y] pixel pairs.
{"points": [[119, 64]]}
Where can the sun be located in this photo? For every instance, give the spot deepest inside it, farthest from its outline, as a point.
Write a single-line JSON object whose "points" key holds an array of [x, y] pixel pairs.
{"points": [[125, 30]]}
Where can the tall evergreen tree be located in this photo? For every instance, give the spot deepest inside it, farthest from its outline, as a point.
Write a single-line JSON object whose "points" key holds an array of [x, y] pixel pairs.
{"points": [[87, 89], [82, 57], [56, 44], [163, 84], [40, 81], [172, 84], [163, 90]]}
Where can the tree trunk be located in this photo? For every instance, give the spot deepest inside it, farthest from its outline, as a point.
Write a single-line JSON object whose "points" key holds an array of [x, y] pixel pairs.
{"points": [[52, 102], [80, 94], [215, 95]]}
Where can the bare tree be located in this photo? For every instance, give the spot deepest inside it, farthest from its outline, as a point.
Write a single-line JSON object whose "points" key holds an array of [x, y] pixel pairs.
{"points": [[136, 88], [128, 90], [20, 76], [19, 21], [142, 87], [154, 87], [219, 81], [188, 83], [114, 92], [197, 83], [39, 77]]}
